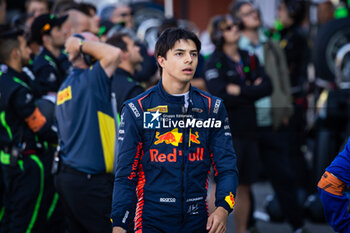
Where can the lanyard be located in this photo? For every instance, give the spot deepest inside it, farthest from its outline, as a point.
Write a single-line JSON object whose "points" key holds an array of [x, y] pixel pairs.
{"points": [[239, 68]]}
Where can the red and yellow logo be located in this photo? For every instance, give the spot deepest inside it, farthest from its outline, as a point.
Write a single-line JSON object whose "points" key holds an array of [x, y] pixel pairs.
{"points": [[173, 137], [230, 199], [161, 108], [64, 95], [193, 138]]}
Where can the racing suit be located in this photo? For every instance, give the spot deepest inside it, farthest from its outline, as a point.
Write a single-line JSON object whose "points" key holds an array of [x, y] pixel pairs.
{"points": [[331, 190], [168, 162]]}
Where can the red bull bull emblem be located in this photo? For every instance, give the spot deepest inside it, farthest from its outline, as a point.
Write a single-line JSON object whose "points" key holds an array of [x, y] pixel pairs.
{"points": [[230, 200], [173, 137], [193, 138]]}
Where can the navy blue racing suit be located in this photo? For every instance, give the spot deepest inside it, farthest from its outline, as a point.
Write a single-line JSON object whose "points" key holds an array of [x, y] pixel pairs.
{"points": [[165, 154]]}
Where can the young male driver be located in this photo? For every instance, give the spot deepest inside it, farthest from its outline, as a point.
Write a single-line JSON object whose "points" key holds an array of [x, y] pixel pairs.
{"points": [[169, 137]]}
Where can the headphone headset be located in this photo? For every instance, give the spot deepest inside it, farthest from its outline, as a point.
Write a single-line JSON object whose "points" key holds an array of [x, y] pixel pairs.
{"points": [[88, 59]]}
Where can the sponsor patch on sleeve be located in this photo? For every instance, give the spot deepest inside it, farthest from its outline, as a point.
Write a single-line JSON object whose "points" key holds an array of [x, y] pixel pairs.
{"points": [[217, 106], [230, 200], [134, 109], [331, 184]]}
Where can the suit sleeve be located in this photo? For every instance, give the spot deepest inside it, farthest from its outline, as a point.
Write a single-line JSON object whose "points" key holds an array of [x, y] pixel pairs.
{"points": [[331, 190], [126, 177], [223, 159]]}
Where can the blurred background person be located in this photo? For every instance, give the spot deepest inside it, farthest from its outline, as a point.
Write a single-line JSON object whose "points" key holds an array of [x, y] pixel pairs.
{"points": [[237, 77], [122, 14], [87, 130], [293, 40], [24, 129], [122, 17], [273, 112], [47, 30], [34, 8], [123, 84]]}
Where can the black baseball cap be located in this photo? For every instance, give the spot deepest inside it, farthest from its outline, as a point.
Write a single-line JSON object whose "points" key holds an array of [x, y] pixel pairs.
{"points": [[43, 25]]}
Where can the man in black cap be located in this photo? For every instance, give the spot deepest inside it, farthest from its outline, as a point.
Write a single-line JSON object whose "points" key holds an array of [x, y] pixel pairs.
{"points": [[48, 31]]}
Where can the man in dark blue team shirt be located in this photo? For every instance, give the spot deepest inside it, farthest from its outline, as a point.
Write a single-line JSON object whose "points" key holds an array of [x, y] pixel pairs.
{"points": [[123, 83], [87, 134]]}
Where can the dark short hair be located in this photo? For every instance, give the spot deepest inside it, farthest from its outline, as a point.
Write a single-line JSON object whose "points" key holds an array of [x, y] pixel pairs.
{"points": [[8, 41], [169, 37], [167, 23], [117, 41], [6, 47]]}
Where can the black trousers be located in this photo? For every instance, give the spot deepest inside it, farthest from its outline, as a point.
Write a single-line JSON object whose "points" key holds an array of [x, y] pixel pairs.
{"points": [[30, 200], [24, 188], [274, 148], [52, 206], [87, 200]]}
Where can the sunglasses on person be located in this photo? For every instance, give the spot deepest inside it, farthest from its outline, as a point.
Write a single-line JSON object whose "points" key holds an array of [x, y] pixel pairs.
{"points": [[124, 14], [230, 26]]}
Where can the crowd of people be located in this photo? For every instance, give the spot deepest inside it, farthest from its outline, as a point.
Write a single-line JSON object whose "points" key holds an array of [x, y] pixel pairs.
{"points": [[75, 91]]}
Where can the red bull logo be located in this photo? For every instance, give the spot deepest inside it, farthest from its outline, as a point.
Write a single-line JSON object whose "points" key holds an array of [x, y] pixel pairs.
{"points": [[172, 157], [173, 137], [197, 156]]}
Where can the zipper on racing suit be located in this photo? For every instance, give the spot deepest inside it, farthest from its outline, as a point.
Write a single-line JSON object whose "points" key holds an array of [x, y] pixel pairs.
{"points": [[183, 111]]}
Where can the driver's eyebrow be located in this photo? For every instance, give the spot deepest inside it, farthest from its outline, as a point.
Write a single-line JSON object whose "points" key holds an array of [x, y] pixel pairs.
{"points": [[182, 50]]}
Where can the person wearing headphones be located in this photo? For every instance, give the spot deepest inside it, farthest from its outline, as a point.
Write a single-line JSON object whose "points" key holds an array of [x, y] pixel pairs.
{"points": [[273, 112], [236, 76], [86, 129]]}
